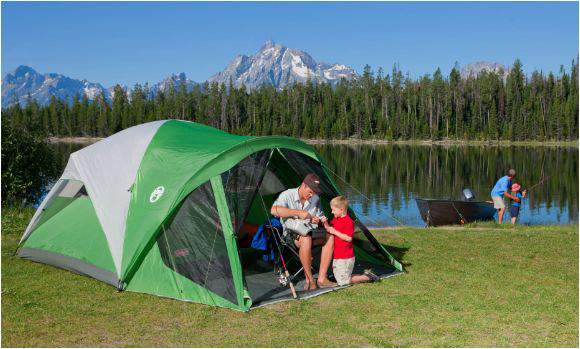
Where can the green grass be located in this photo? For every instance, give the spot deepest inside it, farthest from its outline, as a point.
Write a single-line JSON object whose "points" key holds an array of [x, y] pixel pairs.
{"points": [[484, 285]]}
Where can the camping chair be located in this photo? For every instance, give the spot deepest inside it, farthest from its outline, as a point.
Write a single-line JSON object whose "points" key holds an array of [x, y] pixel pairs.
{"points": [[287, 247]]}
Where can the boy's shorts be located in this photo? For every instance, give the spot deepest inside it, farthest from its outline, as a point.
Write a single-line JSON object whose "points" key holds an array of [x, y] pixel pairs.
{"points": [[342, 270], [514, 211], [498, 203]]}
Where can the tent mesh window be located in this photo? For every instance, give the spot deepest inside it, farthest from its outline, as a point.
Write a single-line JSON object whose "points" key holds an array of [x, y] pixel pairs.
{"points": [[193, 244], [365, 241], [67, 191], [241, 185], [303, 165]]}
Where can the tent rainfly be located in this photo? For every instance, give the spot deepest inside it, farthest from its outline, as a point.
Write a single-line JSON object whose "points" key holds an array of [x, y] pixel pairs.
{"points": [[162, 208]]}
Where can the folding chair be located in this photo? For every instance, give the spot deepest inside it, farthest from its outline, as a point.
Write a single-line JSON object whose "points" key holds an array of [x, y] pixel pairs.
{"points": [[286, 243]]}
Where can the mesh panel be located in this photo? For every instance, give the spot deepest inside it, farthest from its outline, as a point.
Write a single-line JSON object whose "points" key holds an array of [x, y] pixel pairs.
{"points": [[364, 240], [303, 165], [193, 244], [241, 185]]}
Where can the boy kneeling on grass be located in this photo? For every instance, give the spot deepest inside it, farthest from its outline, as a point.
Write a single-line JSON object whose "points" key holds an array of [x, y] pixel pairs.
{"points": [[342, 227]]}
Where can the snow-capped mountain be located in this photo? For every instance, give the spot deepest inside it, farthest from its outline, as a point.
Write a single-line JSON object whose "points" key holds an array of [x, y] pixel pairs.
{"points": [[273, 64], [25, 81], [279, 66], [175, 80], [474, 69]]}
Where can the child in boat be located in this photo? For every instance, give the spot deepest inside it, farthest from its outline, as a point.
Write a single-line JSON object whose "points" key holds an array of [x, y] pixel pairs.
{"points": [[516, 203], [342, 228]]}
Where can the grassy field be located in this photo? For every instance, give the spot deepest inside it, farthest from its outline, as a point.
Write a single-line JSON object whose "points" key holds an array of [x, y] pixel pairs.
{"points": [[484, 285]]}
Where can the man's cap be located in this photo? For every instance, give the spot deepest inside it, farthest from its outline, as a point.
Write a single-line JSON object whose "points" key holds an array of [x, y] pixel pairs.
{"points": [[511, 172], [313, 182]]}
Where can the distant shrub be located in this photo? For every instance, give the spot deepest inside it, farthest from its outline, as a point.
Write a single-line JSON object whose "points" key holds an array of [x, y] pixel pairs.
{"points": [[27, 166]]}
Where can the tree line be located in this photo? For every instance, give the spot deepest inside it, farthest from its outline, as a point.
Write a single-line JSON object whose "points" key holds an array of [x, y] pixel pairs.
{"points": [[389, 106]]}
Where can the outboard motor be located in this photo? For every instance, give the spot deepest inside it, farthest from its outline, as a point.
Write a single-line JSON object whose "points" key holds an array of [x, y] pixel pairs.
{"points": [[468, 195]]}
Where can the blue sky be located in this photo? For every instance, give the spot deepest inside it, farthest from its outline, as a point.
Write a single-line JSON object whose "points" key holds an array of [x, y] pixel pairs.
{"points": [[127, 43]]}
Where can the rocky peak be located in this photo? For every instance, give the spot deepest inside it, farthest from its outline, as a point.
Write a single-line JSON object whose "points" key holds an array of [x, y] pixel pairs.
{"points": [[278, 65], [476, 68]]}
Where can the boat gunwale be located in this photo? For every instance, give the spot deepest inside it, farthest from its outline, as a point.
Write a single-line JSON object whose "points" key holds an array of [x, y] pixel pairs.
{"points": [[447, 200]]}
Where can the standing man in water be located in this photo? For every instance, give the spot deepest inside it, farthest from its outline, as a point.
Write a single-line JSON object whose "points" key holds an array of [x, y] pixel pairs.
{"points": [[500, 190]]}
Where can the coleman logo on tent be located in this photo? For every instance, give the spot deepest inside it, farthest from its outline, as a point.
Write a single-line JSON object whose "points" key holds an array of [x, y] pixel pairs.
{"points": [[156, 194]]}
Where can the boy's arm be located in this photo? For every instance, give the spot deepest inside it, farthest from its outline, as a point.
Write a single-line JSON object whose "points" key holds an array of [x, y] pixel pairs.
{"points": [[343, 236], [333, 231]]}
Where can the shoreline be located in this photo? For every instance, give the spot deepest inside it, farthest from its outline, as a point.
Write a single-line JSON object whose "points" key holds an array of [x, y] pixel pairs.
{"points": [[443, 142], [73, 140]]}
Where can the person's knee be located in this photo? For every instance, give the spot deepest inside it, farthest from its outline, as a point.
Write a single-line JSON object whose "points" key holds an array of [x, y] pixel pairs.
{"points": [[328, 244], [305, 241]]}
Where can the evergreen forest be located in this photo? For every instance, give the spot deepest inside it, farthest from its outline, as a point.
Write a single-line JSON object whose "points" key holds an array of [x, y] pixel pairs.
{"points": [[378, 105]]}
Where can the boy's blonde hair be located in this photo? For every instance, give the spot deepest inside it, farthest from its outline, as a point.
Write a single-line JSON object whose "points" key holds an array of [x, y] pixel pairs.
{"points": [[340, 202]]}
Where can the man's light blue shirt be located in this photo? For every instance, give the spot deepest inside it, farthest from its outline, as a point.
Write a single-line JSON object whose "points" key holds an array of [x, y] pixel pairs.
{"points": [[501, 186]]}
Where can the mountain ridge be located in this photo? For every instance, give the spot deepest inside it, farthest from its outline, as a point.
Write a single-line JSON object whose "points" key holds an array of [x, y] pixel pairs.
{"points": [[280, 66], [272, 64], [475, 68], [24, 81]]}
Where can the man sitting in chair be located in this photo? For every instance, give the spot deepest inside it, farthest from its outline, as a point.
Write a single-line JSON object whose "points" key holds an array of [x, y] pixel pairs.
{"points": [[300, 214]]}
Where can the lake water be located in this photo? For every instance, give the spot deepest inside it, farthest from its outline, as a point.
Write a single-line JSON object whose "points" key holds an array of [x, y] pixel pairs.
{"points": [[384, 180]]}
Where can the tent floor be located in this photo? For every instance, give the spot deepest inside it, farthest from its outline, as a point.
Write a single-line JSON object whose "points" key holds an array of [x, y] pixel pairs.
{"points": [[265, 289]]}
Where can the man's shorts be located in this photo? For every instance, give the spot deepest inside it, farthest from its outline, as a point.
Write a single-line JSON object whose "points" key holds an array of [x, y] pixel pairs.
{"points": [[514, 211], [342, 270], [498, 203]]}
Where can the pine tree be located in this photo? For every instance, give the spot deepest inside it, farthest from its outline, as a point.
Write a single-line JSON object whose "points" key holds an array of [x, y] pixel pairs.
{"points": [[118, 116]]}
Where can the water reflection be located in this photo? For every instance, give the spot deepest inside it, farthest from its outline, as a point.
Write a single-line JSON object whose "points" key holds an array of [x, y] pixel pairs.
{"points": [[389, 177], [385, 179]]}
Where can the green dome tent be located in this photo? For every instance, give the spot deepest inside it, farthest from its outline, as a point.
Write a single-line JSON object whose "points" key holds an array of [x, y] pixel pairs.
{"points": [[159, 208]]}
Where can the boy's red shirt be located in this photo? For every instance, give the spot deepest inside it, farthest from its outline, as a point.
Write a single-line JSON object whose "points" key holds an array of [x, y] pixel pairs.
{"points": [[343, 249]]}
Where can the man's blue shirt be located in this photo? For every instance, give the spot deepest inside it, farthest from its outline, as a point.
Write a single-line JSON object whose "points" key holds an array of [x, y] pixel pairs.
{"points": [[501, 186]]}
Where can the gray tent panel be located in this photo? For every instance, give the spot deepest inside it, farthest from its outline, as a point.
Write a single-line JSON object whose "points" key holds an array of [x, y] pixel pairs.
{"points": [[73, 264]]}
